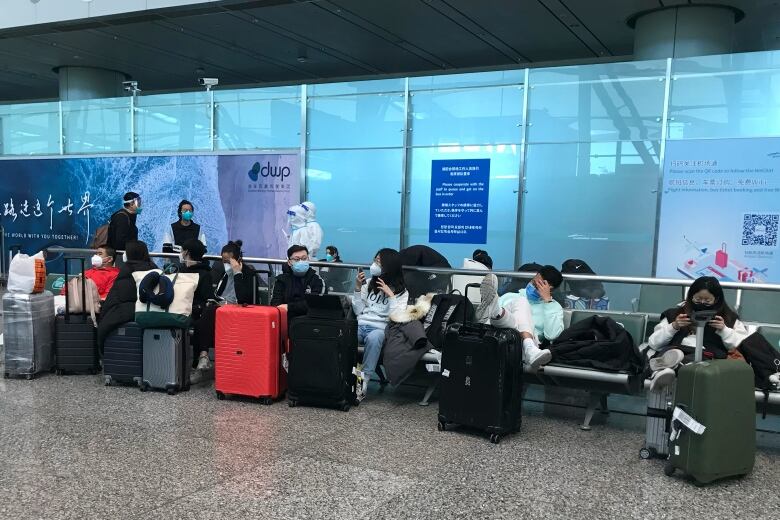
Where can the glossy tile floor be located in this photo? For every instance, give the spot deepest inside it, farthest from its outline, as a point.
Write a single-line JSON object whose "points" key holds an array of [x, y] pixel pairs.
{"points": [[72, 448]]}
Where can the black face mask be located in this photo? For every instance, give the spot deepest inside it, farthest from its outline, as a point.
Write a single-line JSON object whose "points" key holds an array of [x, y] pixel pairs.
{"points": [[704, 306]]}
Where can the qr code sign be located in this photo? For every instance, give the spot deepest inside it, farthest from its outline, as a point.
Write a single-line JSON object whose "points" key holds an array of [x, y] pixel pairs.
{"points": [[760, 229]]}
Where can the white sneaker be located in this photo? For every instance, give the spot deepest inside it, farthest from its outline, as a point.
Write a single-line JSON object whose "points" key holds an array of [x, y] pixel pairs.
{"points": [[204, 363], [662, 379], [436, 353], [196, 376], [669, 359], [535, 357], [488, 307]]}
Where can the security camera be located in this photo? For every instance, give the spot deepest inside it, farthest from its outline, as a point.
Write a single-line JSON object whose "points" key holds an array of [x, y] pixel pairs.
{"points": [[208, 82], [131, 86]]}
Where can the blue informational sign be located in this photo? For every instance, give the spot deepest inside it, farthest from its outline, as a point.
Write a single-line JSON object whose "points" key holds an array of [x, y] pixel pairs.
{"points": [[459, 201], [720, 212]]}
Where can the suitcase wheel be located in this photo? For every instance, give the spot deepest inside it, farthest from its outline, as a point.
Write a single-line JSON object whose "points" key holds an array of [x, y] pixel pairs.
{"points": [[647, 453], [441, 426], [108, 380], [345, 407], [171, 391], [6, 375], [29, 377], [495, 438], [144, 387], [292, 403], [267, 401], [698, 483], [669, 469], [220, 396]]}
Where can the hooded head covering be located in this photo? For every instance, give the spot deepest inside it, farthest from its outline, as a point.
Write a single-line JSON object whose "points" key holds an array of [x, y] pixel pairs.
{"points": [[296, 217], [310, 211]]}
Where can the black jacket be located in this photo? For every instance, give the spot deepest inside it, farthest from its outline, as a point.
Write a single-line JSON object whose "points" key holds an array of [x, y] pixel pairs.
{"points": [[291, 290], [183, 233], [205, 291], [598, 342], [245, 284], [122, 229], [119, 307], [422, 283]]}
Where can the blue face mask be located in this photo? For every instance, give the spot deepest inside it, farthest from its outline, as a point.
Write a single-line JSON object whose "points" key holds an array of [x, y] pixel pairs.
{"points": [[187, 215], [300, 268], [328, 258], [532, 293]]}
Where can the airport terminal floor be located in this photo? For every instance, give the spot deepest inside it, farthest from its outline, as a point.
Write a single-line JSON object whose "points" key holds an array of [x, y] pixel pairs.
{"points": [[73, 448]]}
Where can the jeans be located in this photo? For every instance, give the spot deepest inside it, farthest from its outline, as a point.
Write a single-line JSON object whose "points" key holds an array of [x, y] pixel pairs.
{"points": [[372, 339]]}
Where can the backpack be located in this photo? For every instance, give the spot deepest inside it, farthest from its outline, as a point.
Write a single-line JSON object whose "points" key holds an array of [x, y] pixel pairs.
{"points": [[446, 309], [101, 236], [598, 342], [78, 302], [764, 359], [588, 289]]}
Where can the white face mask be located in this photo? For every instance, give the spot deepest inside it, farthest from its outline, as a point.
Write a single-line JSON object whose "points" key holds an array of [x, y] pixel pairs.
{"points": [[375, 269], [228, 268], [124, 257], [97, 261]]}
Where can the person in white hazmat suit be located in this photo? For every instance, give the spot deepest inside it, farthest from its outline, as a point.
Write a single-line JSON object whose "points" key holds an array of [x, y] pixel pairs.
{"points": [[301, 232], [315, 230]]}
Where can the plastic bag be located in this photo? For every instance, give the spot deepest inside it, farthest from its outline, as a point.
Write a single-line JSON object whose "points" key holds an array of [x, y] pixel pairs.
{"points": [[27, 274]]}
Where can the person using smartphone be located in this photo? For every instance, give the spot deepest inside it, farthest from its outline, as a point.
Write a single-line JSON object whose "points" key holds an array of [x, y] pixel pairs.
{"points": [[673, 340], [373, 302]]}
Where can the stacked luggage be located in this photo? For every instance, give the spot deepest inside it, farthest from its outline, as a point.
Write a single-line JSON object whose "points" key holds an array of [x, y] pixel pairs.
{"points": [[28, 334], [75, 337], [323, 355]]}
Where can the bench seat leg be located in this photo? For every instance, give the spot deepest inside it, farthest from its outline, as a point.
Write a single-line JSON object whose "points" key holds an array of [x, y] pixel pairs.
{"points": [[426, 400], [596, 400]]}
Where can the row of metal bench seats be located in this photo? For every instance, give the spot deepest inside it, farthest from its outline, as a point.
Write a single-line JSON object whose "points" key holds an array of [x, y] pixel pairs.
{"points": [[600, 384]]}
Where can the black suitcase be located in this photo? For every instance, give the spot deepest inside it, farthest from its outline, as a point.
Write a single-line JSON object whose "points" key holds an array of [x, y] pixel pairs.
{"points": [[323, 354], [75, 336], [123, 355], [482, 379]]}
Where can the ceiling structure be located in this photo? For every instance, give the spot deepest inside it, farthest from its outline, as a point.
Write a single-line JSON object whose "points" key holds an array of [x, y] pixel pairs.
{"points": [[292, 41]]}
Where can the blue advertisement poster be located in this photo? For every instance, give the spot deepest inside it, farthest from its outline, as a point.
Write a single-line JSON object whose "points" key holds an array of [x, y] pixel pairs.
{"points": [[459, 201], [720, 210], [62, 201]]}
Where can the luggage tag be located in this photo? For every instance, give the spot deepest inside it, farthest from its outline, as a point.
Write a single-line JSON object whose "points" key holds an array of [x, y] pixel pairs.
{"points": [[681, 417]]}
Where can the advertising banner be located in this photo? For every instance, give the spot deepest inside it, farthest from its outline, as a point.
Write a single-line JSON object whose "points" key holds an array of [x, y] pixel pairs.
{"points": [[720, 210], [61, 201], [459, 201]]}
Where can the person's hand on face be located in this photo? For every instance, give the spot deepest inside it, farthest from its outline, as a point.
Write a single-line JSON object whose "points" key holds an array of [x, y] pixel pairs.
{"points": [[544, 288], [237, 265], [384, 288]]}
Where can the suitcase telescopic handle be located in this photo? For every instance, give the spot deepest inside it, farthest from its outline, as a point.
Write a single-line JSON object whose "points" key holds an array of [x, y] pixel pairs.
{"points": [[470, 286], [67, 260]]}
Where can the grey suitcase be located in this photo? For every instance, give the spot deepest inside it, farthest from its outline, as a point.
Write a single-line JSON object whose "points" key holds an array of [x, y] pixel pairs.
{"points": [[28, 334], [167, 361], [659, 421]]}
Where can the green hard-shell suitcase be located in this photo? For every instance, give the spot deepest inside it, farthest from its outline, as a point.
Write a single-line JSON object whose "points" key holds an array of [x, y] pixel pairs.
{"points": [[719, 395]]}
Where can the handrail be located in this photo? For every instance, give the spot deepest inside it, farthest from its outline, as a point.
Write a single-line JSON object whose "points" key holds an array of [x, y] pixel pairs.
{"points": [[472, 272]]}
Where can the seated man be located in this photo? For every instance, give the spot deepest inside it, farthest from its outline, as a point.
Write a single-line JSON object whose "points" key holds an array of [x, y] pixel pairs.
{"points": [[296, 281], [103, 272], [532, 311]]}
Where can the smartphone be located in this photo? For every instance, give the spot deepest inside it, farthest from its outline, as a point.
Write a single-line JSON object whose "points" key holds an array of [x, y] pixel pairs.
{"points": [[703, 316]]}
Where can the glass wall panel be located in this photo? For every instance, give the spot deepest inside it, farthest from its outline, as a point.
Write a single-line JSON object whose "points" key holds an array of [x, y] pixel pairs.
{"points": [[362, 121], [97, 125], [357, 87], [358, 197], [596, 202], [491, 115], [471, 79], [173, 122], [502, 205], [258, 118], [610, 102], [30, 129], [733, 95]]}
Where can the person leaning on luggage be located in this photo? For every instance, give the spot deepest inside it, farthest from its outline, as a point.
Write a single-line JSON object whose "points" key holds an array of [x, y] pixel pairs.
{"points": [[119, 307], [673, 341], [532, 311], [296, 281], [122, 227], [191, 258]]}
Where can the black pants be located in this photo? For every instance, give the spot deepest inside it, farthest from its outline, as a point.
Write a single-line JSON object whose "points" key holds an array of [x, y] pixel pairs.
{"points": [[204, 325]]}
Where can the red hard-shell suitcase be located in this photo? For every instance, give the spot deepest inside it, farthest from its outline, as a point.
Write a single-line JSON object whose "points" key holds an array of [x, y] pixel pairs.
{"points": [[249, 343]]}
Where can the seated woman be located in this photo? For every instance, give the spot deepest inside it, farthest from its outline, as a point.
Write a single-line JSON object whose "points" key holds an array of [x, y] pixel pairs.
{"points": [[673, 341], [373, 302], [119, 306], [191, 258], [239, 283]]}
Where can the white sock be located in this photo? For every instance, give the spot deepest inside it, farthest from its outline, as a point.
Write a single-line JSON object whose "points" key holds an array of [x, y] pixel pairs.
{"points": [[529, 343]]}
